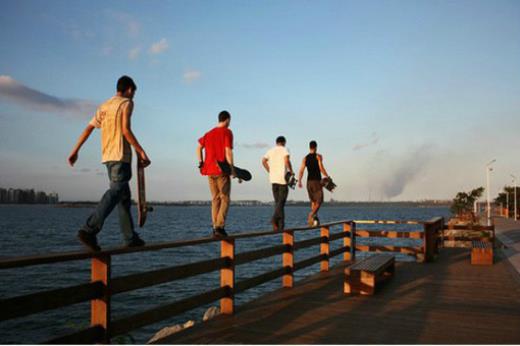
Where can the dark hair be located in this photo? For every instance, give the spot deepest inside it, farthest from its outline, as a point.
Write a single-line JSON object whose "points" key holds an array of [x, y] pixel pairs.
{"points": [[124, 83], [313, 145], [223, 116], [280, 140]]}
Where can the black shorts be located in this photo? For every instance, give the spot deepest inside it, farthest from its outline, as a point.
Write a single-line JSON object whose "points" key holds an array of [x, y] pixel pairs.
{"points": [[315, 191]]}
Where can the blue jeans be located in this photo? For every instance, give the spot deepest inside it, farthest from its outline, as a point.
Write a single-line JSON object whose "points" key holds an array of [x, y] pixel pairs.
{"points": [[119, 174], [280, 193]]}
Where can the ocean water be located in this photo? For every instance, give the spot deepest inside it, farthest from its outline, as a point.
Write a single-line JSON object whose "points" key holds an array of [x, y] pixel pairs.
{"points": [[29, 230]]}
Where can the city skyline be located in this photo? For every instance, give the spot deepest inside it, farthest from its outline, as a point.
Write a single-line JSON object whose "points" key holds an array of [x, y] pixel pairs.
{"points": [[407, 100]]}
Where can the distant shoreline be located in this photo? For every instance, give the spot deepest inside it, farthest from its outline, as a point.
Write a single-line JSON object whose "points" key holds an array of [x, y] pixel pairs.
{"points": [[248, 203]]}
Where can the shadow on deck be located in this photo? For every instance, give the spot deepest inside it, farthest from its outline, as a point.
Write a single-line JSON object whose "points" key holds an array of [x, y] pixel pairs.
{"points": [[447, 301]]}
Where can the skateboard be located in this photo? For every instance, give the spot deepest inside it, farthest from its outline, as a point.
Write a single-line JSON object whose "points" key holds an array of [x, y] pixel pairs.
{"points": [[142, 208], [242, 174], [328, 184]]}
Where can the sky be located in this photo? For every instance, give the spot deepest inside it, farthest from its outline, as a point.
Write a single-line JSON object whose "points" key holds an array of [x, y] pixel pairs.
{"points": [[408, 100]]}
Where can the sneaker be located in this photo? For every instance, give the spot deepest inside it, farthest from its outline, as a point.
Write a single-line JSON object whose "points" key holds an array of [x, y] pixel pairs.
{"points": [[135, 242], [315, 221], [219, 232], [89, 240]]}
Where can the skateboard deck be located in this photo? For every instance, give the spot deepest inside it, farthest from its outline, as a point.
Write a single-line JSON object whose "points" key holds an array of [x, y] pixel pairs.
{"points": [[328, 184], [142, 208], [242, 174]]}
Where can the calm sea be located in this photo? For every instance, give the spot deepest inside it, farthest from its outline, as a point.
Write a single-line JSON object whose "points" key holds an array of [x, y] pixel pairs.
{"points": [[28, 230]]}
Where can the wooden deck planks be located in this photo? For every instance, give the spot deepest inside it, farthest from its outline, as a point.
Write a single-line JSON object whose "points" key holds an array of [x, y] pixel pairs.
{"points": [[448, 301]]}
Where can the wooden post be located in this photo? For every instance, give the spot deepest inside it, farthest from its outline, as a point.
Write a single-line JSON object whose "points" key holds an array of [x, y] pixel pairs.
{"points": [[288, 258], [324, 249], [100, 308], [227, 276], [349, 241]]}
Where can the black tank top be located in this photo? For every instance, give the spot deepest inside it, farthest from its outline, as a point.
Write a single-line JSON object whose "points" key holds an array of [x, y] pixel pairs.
{"points": [[313, 168]]}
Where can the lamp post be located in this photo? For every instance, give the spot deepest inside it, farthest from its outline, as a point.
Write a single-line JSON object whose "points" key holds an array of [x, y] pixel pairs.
{"points": [[514, 182], [507, 200], [488, 170]]}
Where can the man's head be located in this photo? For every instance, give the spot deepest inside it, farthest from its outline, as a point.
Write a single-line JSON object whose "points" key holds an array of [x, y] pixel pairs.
{"points": [[280, 140], [313, 146], [126, 87], [224, 118]]}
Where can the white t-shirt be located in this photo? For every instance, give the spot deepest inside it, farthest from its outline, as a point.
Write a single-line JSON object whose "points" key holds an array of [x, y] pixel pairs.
{"points": [[276, 161]]}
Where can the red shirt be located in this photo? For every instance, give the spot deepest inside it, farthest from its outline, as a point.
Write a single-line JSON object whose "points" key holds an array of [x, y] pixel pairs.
{"points": [[215, 142]]}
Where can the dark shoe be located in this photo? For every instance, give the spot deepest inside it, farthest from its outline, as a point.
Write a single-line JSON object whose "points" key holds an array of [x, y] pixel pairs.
{"points": [[89, 240], [219, 232], [135, 242]]}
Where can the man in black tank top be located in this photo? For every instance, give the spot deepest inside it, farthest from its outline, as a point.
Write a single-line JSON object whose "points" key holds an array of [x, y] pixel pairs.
{"points": [[314, 164]]}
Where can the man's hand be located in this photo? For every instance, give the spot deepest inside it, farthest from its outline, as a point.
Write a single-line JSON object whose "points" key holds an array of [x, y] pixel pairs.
{"points": [[73, 158], [300, 184], [144, 161], [233, 172]]}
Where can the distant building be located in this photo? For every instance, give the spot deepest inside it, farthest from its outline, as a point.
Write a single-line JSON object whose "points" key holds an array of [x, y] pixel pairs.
{"points": [[27, 196]]}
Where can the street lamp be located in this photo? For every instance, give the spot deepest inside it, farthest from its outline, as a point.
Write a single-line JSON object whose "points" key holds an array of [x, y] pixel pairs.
{"points": [[488, 169], [514, 182], [507, 200]]}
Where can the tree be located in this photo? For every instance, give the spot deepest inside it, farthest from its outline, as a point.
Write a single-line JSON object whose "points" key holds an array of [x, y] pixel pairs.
{"points": [[503, 198], [462, 204]]}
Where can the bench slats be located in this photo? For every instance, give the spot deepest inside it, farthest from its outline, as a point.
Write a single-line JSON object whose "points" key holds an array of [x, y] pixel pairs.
{"points": [[373, 263], [476, 244], [363, 276]]}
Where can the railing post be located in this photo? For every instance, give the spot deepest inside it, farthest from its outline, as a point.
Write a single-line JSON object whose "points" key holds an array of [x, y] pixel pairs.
{"points": [[349, 241], [288, 258], [227, 276], [324, 249], [100, 308]]}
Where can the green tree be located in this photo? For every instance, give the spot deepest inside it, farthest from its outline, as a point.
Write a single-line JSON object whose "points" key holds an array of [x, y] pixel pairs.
{"points": [[503, 198], [462, 204]]}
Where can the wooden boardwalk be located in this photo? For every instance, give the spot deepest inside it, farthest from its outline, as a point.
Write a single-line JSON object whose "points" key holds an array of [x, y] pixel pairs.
{"points": [[447, 301]]}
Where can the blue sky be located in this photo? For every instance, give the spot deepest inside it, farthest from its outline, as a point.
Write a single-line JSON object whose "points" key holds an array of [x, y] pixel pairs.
{"points": [[407, 99]]}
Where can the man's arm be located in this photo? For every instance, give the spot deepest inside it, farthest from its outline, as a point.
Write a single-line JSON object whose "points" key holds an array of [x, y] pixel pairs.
{"points": [[288, 164], [200, 155], [322, 168], [129, 135], [73, 157], [229, 159], [265, 164], [300, 173]]}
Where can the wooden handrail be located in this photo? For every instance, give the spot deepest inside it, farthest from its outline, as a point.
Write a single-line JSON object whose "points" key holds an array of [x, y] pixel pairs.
{"points": [[103, 286], [126, 324], [140, 280], [41, 301], [23, 261], [90, 335]]}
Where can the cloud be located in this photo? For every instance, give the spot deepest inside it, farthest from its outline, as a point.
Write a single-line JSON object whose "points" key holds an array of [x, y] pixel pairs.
{"points": [[159, 47], [374, 139], [134, 53], [35, 100], [258, 145], [131, 25], [191, 76]]}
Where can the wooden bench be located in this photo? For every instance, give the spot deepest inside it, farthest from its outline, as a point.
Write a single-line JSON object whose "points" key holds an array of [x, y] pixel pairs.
{"points": [[363, 276], [481, 253]]}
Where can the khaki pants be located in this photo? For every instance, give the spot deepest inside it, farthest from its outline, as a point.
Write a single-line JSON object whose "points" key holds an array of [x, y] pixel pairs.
{"points": [[220, 187]]}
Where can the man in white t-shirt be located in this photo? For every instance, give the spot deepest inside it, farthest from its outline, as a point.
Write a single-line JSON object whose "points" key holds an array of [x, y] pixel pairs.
{"points": [[277, 163]]}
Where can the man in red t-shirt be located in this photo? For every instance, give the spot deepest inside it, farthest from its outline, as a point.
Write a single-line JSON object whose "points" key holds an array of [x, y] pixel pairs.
{"points": [[218, 146]]}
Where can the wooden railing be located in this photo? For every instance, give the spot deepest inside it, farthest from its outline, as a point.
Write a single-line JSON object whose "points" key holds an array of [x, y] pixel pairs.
{"points": [[103, 286], [487, 233], [429, 236]]}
